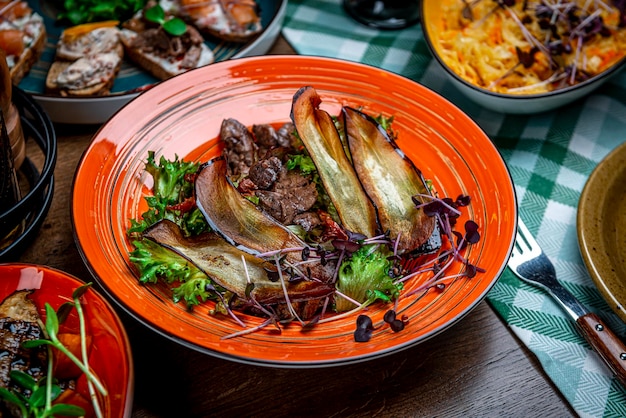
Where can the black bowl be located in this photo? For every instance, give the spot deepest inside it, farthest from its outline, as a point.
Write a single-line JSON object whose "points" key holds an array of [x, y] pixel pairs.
{"points": [[37, 196]]}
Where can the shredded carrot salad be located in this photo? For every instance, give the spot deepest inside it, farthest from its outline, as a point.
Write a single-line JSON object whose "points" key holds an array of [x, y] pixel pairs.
{"points": [[529, 47]]}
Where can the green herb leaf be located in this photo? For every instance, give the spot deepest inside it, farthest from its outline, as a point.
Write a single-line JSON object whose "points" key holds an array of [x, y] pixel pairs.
{"points": [[38, 398], [36, 343], [175, 27], [80, 291], [67, 410], [194, 290], [14, 399], [52, 322], [304, 163], [64, 311], [155, 14], [85, 11], [23, 379]]}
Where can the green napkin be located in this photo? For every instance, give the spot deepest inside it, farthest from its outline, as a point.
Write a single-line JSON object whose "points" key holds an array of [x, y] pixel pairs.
{"points": [[550, 157]]}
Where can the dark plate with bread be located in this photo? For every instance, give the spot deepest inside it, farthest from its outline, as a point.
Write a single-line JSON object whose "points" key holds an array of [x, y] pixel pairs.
{"points": [[94, 105]]}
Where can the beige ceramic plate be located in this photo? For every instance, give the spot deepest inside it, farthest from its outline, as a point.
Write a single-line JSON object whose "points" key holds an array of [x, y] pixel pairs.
{"points": [[602, 228]]}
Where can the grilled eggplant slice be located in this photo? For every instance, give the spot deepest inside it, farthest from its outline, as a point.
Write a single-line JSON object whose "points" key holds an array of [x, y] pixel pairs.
{"points": [[223, 263], [321, 139], [19, 323], [390, 180], [244, 225]]}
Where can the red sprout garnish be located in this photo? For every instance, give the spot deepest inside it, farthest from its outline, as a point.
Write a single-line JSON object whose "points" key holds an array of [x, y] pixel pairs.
{"points": [[526, 59], [467, 9], [472, 236], [445, 207], [225, 304]]}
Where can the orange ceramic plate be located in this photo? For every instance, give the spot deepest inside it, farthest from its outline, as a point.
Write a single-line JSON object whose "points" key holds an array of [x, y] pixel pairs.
{"points": [[110, 356], [182, 117]]}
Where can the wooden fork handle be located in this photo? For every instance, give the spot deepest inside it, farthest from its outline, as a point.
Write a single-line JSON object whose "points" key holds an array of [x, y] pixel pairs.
{"points": [[606, 343]]}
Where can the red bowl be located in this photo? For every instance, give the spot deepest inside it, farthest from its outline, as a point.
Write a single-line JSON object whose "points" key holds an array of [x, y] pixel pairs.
{"points": [[110, 355]]}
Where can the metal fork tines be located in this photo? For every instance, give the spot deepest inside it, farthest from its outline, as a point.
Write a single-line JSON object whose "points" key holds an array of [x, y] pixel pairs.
{"points": [[530, 263]]}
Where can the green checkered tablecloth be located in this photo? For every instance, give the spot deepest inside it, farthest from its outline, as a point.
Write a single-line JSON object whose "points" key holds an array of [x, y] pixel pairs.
{"points": [[550, 157]]}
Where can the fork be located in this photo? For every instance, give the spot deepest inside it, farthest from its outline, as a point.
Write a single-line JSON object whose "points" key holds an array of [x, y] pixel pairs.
{"points": [[530, 263]]}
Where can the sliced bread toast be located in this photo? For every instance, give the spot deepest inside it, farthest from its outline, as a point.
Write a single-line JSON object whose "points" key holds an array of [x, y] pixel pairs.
{"points": [[28, 31], [162, 64], [228, 20], [88, 76], [88, 59]]}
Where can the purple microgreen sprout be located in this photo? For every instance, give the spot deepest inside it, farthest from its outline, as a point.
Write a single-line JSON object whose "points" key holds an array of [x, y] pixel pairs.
{"points": [[446, 212], [467, 9], [525, 59], [395, 324], [552, 79], [225, 306], [504, 4], [286, 293], [364, 329], [268, 321], [621, 6]]}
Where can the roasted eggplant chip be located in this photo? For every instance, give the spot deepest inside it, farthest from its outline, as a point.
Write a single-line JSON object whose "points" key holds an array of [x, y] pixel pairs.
{"points": [[224, 264], [323, 143], [390, 179], [244, 225]]}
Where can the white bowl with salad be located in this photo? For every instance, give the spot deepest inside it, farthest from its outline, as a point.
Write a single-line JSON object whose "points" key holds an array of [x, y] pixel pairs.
{"points": [[519, 58]]}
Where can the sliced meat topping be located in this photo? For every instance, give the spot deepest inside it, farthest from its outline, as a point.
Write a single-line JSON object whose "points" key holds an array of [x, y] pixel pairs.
{"points": [[307, 220], [268, 138], [257, 161], [265, 173], [291, 195], [240, 148], [186, 47]]}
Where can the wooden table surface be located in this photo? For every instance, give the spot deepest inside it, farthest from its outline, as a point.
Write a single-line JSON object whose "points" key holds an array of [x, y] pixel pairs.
{"points": [[476, 368]]}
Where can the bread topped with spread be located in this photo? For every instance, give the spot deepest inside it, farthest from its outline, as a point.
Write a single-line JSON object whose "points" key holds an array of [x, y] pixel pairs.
{"points": [[230, 20], [22, 37], [160, 52], [88, 57]]}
